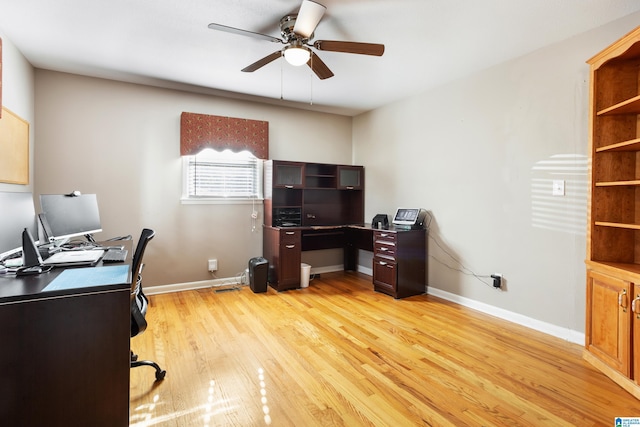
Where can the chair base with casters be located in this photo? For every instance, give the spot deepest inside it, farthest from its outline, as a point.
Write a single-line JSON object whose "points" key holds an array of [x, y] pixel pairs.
{"points": [[139, 302], [160, 373]]}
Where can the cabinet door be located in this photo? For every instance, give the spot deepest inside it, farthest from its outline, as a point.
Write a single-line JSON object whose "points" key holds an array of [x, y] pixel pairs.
{"points": [[290, 258], [635, 307], [608, 333], [288, 174], [350, 177]]}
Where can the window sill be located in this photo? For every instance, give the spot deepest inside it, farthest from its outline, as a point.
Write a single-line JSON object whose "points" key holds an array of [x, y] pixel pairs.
{"points": [[218, 201]]}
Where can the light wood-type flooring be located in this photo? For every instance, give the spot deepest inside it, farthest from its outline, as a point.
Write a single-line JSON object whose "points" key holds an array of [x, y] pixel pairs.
{"points": [[339, 354]]}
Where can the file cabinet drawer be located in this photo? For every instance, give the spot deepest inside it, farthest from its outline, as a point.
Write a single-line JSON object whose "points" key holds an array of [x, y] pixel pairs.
{"points": [[290, 237], [384, 275], [384, 236], [384, 249]]}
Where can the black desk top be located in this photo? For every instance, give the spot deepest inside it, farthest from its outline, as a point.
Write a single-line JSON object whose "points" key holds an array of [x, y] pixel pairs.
{"points": [[23, 288]]}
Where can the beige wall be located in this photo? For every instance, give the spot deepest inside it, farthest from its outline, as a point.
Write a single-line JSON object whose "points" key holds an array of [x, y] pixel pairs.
{"points": [[18, 96], [121, 141], [481, 153]]}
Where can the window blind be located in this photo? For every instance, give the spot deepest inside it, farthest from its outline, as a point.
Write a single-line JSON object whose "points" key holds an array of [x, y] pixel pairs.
{"points": [[223, 178]]}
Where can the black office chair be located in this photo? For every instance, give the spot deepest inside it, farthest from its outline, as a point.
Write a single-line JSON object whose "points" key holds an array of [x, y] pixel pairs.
{"points": [[139, 302]]}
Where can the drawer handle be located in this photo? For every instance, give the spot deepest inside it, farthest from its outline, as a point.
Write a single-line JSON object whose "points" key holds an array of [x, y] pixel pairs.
{"points": [[290, 246], [382, 263], [384, 249], [349, 187], [288, 186], [290, 232], [622, 300], [384, 235]]}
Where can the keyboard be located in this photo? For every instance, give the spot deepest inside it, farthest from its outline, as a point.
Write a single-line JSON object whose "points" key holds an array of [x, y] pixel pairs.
{"points": [[114, 255]]}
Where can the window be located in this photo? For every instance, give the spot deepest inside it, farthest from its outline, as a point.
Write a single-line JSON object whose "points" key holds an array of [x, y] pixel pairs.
{"points": [[212, 176]]}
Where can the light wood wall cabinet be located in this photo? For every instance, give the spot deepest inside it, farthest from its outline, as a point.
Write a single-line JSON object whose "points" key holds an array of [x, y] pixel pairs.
{"points": [[612, 333]]}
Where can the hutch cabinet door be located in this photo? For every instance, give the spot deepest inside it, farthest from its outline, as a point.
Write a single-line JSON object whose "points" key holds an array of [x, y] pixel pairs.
{"points": [[608, 332], [350, 177], [288, 174]]}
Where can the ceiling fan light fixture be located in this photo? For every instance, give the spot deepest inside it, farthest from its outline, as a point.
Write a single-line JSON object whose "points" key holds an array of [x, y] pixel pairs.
{"points": [[297, 55]]}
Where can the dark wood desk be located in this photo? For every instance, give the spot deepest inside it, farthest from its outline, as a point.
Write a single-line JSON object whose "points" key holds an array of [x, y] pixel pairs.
{"points": [[65, 354], [401, 272]]}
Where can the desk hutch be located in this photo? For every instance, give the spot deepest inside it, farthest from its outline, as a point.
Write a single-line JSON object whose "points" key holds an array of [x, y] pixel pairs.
{"points": [[312, 206]]}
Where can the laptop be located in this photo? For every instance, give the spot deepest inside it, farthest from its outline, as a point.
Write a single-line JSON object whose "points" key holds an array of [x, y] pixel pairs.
{"points": [[74, 258]]}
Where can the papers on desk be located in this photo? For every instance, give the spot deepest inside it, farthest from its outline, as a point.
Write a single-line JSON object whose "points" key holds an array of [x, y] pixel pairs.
{"points": [[74, 278]]}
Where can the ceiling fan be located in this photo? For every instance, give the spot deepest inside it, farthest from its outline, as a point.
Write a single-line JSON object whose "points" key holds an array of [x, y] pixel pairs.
{"points": [[297, 33]]}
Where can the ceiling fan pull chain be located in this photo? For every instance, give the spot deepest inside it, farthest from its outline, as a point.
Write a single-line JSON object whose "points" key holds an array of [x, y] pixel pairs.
{"points": [[281, 81], [311, 82]]}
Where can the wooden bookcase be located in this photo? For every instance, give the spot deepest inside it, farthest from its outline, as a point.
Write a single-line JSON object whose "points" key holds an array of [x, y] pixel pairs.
{"points": [[612, 333]]}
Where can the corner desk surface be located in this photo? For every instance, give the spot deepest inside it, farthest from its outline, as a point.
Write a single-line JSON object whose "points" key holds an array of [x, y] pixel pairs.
{"points": [[405, 273]]}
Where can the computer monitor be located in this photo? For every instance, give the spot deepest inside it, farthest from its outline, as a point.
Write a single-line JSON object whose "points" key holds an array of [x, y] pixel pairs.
{"points": [[70, 215], [17, 212]]}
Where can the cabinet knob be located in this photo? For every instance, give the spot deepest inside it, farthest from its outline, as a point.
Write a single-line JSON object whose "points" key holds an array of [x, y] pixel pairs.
{"points": [[634, 305]]}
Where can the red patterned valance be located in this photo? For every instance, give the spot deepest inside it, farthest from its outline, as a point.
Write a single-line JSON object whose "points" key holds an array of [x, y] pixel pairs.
{"points": [[199, 131]]}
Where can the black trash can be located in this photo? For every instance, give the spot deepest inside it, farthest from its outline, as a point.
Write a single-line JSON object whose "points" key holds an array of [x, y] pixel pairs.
{"points": [[258, 270]]}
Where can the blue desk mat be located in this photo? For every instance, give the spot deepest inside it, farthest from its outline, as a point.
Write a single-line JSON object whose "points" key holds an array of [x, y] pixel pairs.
{"points": [[75, 278]]}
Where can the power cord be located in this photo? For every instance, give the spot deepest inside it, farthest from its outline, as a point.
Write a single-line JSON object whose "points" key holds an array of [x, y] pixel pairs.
{"points": [[239, 279], [464, 270]]}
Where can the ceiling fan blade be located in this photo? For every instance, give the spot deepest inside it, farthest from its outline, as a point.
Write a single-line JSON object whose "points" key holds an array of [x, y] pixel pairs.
{"points": [[319, 67], [350, 47], [262, 62], [233, 30], [309, 16]]}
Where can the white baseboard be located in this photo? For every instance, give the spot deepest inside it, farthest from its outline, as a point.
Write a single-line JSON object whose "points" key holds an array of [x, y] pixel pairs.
{"points": [[216, 283], [547, 328]]}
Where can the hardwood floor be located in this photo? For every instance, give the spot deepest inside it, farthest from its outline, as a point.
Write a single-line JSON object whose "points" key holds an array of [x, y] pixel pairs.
{"points": [[338, 354]]}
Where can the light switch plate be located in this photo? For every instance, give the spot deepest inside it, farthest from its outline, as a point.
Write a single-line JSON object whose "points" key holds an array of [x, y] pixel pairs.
{"points": [[558, 187]]}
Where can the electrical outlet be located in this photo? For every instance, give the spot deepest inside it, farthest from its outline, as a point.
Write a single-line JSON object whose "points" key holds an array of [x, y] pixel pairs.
{"points": [[497, 280], [213, 264]]}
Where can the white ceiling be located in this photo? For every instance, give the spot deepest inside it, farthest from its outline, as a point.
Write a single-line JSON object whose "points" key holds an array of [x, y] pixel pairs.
{"points": [[167, 42]]}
